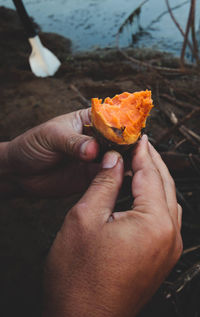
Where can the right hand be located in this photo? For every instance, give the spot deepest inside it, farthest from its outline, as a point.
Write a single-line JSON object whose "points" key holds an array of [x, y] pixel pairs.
{"points": [[110, 264]]}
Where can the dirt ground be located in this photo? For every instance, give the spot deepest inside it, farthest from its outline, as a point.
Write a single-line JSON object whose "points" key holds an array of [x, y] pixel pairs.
{"points": [[28, 226]]}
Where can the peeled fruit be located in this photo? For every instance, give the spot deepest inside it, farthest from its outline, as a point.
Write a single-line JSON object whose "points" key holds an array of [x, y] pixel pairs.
{"points": [[120, 119]]}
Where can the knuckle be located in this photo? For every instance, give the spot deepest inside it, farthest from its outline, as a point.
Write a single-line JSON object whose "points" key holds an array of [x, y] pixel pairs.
{"points": [[170, 235], [152, 171], [76, 121], [72, 144], [171, 239], [146, 173], [106, 180], [77, 213], [85, 115], [170, 230], [79, 222]]}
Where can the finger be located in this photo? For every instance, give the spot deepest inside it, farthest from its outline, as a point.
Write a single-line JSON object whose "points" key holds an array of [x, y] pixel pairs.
{"points": [[85, 116], [147, 186], [64, 134], [81, 146], [87, 150], [75, 145], [75, 120], [179, 216], [168, 183], [99, 200]]}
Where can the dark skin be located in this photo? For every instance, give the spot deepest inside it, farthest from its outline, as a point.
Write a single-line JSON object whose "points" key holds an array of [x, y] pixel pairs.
{"points": [[101, 263]]}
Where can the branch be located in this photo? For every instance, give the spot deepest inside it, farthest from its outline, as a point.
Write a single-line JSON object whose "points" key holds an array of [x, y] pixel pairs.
{"points": [[194, 40], [189, 22], [177, 125], [149, 66], [85, 102], [177, 24]]}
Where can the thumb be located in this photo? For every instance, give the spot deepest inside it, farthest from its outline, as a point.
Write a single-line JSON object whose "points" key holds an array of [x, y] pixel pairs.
{"points": [[81, 146], [74, 144], [98, 202]]}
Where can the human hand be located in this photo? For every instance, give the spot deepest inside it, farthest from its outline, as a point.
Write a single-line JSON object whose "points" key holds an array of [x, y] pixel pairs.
{"points": [[110, 264], [53, 158]]}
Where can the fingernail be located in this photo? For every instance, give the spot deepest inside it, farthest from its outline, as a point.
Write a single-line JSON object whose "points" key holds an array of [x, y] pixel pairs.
{"points": [[145, 142], [144, 138], [110, 159], [84, 147]]}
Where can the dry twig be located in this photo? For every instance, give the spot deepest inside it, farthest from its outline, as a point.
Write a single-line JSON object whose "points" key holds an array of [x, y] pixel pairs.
{"points": [[186, 251], [180, 164], [182, 281], [194, 40], [85, 102], [189, 22], [185, 133], [179, 144], [176, 23], [178, 124], [183, 202], [179, 103], [149, 66]]}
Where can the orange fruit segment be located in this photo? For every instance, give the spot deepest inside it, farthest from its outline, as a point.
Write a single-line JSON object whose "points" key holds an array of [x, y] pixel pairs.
{"points": [[122, 118]]}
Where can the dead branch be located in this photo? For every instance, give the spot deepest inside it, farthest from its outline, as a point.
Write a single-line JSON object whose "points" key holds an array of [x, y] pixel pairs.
{"points": [[186, 251], [179, 103], [85, 102], [184, 129], [193, 134], [177, 24], [177, 124], [179, 164], [183, 280], [194, 40], [149, 66], [195, 162], [129, 19], [179, 144], [185, 133], [189, 22], [165, 12], [183, 202]]}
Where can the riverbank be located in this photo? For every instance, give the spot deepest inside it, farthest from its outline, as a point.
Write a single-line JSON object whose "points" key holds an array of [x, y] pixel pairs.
{"points": [[28, 227]]}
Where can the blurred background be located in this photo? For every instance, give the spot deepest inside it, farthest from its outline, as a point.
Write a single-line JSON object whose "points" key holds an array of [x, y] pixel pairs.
{"points": [[94, 24]]}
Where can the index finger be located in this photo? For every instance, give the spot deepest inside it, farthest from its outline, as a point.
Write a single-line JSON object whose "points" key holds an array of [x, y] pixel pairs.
{"points": [[147, 185], [168, 183]]}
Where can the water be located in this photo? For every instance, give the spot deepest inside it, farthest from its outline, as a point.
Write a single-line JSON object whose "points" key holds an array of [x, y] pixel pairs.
{"points": [[94, 24]]}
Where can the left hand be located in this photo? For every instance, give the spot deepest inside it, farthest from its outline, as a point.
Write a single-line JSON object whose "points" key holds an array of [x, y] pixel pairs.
{"points": [[52, 159]]}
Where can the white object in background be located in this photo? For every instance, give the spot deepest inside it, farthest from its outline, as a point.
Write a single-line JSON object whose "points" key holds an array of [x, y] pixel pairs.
{"points": [[42, 61]]}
